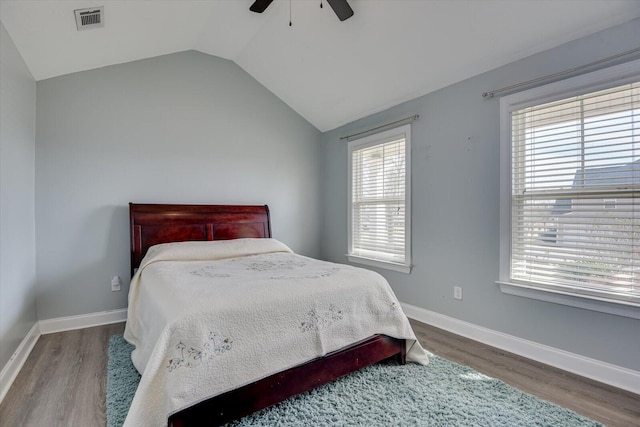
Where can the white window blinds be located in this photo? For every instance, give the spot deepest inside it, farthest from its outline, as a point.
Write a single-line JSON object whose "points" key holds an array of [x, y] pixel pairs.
{"points": [[575, 212], [379, 217]]}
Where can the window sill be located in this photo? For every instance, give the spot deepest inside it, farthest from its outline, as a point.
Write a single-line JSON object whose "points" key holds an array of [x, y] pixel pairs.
{"points": [[618, 308], [401, 268]]}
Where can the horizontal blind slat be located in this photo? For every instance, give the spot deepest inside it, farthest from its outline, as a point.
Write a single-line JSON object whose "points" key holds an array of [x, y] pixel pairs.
{"points": [[378, 200], [575, 192]]}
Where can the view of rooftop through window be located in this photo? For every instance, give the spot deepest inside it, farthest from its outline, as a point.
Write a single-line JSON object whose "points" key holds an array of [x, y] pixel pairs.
{"points": [[575, 183]]}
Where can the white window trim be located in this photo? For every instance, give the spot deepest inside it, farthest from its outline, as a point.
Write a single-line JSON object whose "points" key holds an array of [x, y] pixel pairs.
{"points": [[591, 82], [371, 140], [401, 268]]}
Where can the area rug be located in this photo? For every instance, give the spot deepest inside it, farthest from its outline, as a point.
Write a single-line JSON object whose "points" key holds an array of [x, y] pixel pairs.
{"points": [[387, 394]]}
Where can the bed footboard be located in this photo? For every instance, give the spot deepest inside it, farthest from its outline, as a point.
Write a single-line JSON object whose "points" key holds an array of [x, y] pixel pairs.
{"points": [[261, 394]]}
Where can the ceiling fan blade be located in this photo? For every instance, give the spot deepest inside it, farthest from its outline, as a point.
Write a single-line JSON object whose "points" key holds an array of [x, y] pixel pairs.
{"points": [[341, 8], [259, 6]]}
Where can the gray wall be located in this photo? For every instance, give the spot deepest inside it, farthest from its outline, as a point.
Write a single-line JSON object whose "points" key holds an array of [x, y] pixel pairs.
{"points": [[17, 232], [455, 186], [181, 128]]}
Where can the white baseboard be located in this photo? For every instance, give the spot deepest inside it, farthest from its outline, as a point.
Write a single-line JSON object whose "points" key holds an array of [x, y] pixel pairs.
{"points": [[607, 373], [49, 326], [61, 324], [616, 376], [15, 363]]}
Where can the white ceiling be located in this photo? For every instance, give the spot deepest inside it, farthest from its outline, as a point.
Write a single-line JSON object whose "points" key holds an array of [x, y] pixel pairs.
{"points": [[330, 72]]}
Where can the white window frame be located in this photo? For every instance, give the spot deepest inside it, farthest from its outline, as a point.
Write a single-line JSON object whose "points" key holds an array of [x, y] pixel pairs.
{"points": [[369, 141], [587, 83]]}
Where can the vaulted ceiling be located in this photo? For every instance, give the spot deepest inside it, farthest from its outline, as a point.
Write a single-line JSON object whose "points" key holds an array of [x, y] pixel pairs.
{"points": [[330, 72]]}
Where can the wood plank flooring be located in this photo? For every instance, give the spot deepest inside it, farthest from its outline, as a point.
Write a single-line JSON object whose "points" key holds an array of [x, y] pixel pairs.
{"points": [[64, 379], [63, 382], [600, 402]]}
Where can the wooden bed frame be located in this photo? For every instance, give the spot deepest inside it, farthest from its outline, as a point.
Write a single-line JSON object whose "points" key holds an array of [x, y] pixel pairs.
{"points": [[152, 224]]}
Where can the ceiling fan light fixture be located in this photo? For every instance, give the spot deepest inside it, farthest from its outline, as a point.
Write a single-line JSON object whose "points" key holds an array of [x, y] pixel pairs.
{"points": [[341, 8]]}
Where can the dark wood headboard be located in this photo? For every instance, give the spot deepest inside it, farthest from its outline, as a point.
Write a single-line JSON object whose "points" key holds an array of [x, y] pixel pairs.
{"points": [[152, 224]]}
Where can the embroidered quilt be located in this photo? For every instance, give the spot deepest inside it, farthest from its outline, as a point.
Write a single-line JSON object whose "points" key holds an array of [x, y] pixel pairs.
{"points": [[209, 317]]}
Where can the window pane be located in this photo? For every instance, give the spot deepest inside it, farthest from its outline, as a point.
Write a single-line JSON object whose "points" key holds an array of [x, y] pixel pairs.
{"points": [[575, 187], [378, 205]]}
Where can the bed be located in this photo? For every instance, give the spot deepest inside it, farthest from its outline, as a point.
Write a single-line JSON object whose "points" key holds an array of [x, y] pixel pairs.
{"points": [[241, 241]]}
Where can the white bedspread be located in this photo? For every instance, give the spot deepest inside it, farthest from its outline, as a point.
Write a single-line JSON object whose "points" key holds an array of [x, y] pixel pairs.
{"points": [[208, 317]]}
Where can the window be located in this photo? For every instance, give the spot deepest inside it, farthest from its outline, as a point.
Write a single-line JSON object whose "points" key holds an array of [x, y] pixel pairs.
{"points": [[379, 194], [570, 182]]}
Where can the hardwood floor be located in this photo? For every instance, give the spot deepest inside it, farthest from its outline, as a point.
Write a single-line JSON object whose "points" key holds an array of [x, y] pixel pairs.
{"points": [[63, 382], [600, 402], [64, 379]]}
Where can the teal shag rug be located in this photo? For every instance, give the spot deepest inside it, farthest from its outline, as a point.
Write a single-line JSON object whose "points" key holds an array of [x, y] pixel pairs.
{"points": [[387, 394]]}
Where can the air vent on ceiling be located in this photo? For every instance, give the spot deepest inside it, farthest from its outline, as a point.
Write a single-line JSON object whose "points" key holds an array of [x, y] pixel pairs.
{"points": [[92, 17]]}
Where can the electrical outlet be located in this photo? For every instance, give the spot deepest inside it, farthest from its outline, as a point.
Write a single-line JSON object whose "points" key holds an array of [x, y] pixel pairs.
{"points": [[115, 284], [457, 292]]}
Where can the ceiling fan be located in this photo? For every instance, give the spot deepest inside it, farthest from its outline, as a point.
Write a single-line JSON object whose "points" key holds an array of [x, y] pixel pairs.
{"points": [[340, 7]]}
